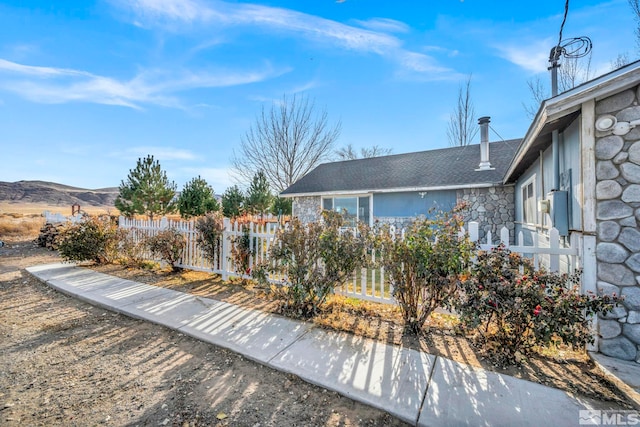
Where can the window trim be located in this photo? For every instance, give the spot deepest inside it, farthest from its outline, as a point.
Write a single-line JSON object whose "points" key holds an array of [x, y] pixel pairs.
{"points": [[357, 197], [534, 196]]}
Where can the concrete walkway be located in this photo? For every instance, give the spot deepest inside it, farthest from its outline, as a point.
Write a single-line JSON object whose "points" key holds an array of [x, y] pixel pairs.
{"points": [[419, 388]]}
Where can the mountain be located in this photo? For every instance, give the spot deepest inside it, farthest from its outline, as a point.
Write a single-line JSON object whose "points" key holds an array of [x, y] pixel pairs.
{"points": [[55, 194]]}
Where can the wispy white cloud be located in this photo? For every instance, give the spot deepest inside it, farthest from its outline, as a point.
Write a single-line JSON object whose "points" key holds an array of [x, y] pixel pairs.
{"points": [[172, 10], [149, 87], [186, 15], [532, 56], [384, 24]]}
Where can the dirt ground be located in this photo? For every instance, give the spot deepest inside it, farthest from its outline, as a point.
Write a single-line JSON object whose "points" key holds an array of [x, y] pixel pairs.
{"points": [[64, 362]]}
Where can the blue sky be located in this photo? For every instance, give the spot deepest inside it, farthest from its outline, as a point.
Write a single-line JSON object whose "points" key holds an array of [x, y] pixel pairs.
{"points": [[88, 87]]}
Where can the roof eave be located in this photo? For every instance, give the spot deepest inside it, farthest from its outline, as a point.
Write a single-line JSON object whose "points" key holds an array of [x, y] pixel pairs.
{"points": [[393, 190], [570, 102]]}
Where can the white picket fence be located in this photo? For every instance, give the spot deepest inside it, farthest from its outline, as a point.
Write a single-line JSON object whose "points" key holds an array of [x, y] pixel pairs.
{"points": [[366, 284], [57, 218]]}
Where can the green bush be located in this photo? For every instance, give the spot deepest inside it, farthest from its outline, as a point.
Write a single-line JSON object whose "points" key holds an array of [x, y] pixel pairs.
{"points": [[513, 308], [91, 240], [210, 228], [168, 245], [314, 258], [425, 265]]}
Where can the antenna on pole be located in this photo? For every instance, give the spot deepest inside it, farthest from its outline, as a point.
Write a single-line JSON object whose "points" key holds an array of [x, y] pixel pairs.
{"points": [[575, 47]]}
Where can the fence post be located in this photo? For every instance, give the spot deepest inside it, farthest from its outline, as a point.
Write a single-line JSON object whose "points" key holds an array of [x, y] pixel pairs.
{"points": [[504, 236], [473, 231], [224, 256], [554, 244]]}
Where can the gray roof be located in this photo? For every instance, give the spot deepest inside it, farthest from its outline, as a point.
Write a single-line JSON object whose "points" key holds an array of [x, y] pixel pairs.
{"points": [[447, 167]]}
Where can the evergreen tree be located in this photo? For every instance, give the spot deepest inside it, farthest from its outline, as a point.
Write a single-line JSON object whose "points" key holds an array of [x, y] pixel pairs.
{"points": [[197, 198], [259, 195], [232, 202], [281, 206], [147, 191]]}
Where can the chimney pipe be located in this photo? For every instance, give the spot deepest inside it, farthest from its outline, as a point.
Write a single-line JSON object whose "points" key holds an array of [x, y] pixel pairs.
{"points": [[484, 144]]}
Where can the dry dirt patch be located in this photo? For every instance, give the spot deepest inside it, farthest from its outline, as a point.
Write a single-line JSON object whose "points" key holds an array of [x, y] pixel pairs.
{"points": [[67, 363]]}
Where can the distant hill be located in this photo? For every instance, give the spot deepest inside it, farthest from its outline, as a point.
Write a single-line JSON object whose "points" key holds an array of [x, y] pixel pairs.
{"points": [[53, 194]]}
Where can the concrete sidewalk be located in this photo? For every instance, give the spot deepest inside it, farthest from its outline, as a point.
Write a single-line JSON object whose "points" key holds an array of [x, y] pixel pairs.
{"points": [[419, 388]]}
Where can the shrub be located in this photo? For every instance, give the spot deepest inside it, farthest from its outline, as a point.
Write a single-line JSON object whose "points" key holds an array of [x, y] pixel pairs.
{"points": [[314, 258], [513, 308], [168, 245], [131, 251], [210, 228], [425, 265], [91, 240], [241, 252]]}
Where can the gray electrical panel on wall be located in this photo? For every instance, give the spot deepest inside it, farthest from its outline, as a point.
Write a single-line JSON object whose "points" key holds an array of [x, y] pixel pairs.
{"points": [[559, 211]]}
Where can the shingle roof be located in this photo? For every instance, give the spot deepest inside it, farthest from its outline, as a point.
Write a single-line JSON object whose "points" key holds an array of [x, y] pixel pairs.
{"points": [[446, 167]]}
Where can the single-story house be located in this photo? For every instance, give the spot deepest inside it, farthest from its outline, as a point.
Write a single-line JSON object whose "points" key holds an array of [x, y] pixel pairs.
{"points": [[578, 169], [398, 188]]}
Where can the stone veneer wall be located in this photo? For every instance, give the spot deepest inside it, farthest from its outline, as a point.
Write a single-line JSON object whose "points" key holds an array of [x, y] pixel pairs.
{"points": [[493, 208], [399, 222], [307, 209], [618, 235]]}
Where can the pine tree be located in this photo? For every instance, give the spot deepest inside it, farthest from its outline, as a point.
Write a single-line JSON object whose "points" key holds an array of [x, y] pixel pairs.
{"points": [[232, 202], [197, 198], [259, 197], [281, 206], [147, 191]]}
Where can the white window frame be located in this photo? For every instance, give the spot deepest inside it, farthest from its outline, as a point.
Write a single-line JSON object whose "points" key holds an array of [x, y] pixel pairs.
{"points": [[357, 197], [529, 203]]}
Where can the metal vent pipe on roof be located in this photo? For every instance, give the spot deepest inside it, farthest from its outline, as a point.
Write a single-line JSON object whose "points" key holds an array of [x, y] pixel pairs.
{"points": [[485, 164]]}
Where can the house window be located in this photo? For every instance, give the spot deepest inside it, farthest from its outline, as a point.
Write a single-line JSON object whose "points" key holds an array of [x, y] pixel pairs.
{"points": [[353, 208], [529, 201]]}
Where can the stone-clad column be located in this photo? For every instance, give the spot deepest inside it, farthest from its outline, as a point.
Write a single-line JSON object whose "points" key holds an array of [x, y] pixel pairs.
{"points": [[618, 236]]}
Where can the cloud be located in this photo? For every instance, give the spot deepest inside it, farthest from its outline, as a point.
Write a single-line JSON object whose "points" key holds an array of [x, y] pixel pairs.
{"points": [[384, 24], [179, 16], [172, 10], [156, 87], [533, 56]]}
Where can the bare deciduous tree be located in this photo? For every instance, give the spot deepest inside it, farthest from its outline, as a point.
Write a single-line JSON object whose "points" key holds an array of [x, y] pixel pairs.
{"points": [[462, 127], [286, 142], [635, 7], [349, 153], [539, 92], [573, 72], [621, 60]]}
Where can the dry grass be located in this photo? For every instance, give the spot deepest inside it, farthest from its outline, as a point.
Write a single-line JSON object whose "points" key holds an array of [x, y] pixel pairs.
{"points": [[16, 226], [7, 207], [22, 221]]}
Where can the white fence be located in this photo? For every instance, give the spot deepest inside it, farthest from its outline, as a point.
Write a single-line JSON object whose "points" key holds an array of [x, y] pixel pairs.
{"points": [[56, 218], [260, 239], [367, 284]]}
